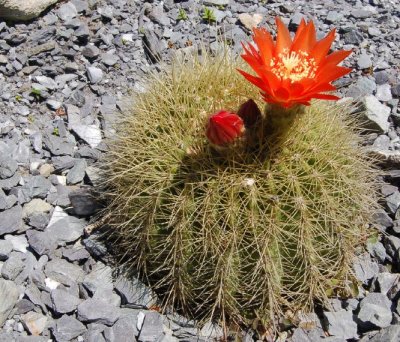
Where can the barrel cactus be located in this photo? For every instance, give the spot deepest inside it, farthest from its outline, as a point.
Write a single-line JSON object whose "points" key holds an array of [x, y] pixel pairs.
{"points": [[241, 227]]}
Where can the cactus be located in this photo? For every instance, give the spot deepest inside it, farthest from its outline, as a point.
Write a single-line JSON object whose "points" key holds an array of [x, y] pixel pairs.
{"points": [[242, 236]]}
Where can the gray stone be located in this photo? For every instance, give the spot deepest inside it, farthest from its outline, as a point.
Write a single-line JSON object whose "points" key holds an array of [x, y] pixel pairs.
{"points": [[363, 86], [386, 281], [11, 220], [95, 75], [64, 272], [13, 266], [82, 32], [8, 298], [41, 242], [364, 268], [94, 310], [58, 146], [393, 202], [67, 11], [375, 311], [157, 15], [9, 183], [396, 90], [377, 250], [77, 173], [152, 328], [383, 92], [333, 16], [91, 134], [216, 2], [5, 249], [134, 293], [152, 45], [34, 322], [364, 61], [63, 301], [37, 186], [46, 82], [392, 245], [23, 10], [382, 219], [376, 114], [83, 202], [90, 51], [109, 59], [8, 167], [353, 37], [361, 13], [68, 328], [389, 334], [18, 242], [381, 77], [100, 277], [341, 324], [65, 228]]}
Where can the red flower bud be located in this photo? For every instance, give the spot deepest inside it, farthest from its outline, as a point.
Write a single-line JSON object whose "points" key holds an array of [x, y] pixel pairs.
{"points": [[249, 112], [224, 127]]}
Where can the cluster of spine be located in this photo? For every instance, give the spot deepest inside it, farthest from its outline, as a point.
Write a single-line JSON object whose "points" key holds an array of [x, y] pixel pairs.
{"points": [[244, 236]]}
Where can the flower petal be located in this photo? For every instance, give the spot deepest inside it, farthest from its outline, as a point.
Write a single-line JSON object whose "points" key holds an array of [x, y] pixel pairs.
{"points": [[321, 48], [336, 57], [283, 40], [263, 40]]}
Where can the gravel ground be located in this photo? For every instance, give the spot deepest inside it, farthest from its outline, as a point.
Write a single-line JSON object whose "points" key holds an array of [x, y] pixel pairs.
{"points": [[63, 79]]}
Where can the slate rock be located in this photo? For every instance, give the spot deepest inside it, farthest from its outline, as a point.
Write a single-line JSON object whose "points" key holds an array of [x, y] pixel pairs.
{"points": [[65, 228], [89, 133], [109, 59], [393, 202], [95, 75], [375, 311], [377, 250], [83, 202], [353, 37], [134, 293], [68, 328], [376, 114], [67, 11], [64, 272], [8, 167], [41, 242], [8, 298], [34, 322], [99, 278], [18, 242], [364, 268], [90, 51], [98, 311], [386, 281], [58, 146], [389, 334], [5, 249], [37, 186], [77, 173], [13, 266], [152, 328], [341, 324], [11, 220], [63, 301], [152, 45]]}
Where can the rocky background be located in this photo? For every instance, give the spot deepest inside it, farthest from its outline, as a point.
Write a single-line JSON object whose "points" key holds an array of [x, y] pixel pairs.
{"points": [[64, 77]]}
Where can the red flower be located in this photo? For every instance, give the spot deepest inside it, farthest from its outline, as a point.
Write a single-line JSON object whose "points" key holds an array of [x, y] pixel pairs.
{"points": [[224, 127], [293, 71], [249, 112]]}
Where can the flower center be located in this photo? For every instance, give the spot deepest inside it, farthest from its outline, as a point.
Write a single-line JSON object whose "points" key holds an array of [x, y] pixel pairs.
{"points": [[294, 65]]}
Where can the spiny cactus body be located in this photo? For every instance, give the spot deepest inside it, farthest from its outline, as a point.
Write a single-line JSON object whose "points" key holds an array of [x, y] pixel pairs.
{"points": [[239, 235]]}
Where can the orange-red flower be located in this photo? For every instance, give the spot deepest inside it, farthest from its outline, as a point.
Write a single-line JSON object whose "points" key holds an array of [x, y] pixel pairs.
{"points": [[224, 127], [293, 71]]}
